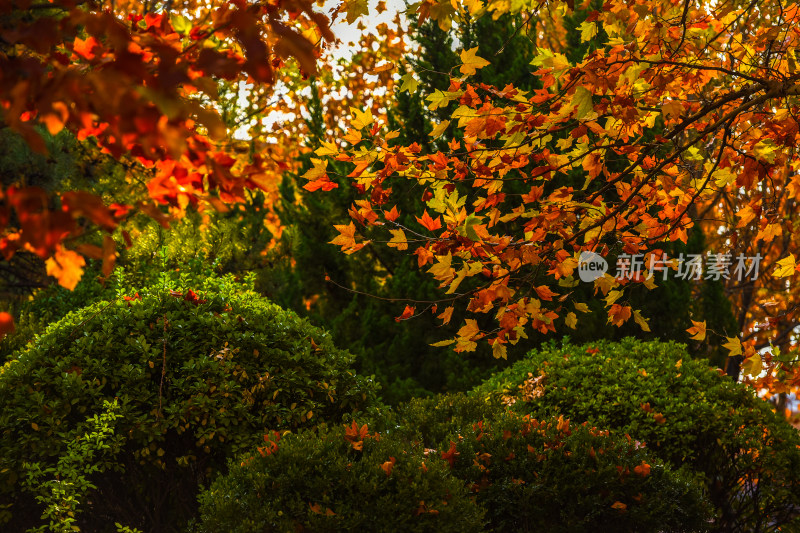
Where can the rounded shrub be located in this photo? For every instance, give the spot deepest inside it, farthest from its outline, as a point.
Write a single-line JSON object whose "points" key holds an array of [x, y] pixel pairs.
{"points": [[340, 479], [689, 415], [518, 473], [550, 474], [198, 377]]}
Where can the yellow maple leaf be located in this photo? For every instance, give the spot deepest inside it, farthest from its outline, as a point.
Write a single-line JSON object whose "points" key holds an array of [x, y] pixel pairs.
{"points": [[734, 346], [642, 321], [356, 8], [473, 6], [785, 267], [471, 62], [409, 83], [361, 119], [442, 270], [588, 30], [66, 266], [752, 365], [440, 344], [499, 350], [769, 232], [439, 129], [571, 320], [399, 240], [319, 169], [327, 149], [470, 329]]}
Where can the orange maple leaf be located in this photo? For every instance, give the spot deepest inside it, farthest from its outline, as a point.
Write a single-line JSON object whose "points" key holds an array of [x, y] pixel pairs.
{"points": [[323, 183], [355, 435], [408, 312], [618, 314], [388, 466], [347, 238], [392, 215], [429, 223], [698, 331], [451, 454]]}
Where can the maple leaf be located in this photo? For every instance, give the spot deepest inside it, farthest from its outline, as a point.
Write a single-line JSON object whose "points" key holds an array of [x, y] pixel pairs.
{"points": [[408, 312], [346, 238], [753, 365], [499, 350], [583, 100], [639, 319], [544, 292], [85, 48], [429, 223], [446, 315], [398, 240], [672, 109], [451, 454], [769, 232], [392, 215], [588, 30], [388, 466], [785, 267], [471, 61], [619, 314], [734, 346], [409, 83], [326, 149], [355, 435], [66, 266], [697, 331], [439, 129], [354, 9], [361, 119], [323, 183]]}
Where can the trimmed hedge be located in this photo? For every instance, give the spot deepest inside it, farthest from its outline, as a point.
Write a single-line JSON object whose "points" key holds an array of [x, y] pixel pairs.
{"points": [[521, 474], [198, 378], [342, 479], [688, 414]]}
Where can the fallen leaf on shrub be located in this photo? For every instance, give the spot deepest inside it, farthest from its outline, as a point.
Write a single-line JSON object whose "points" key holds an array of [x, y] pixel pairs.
{"points": [[451, 454], [388, 466], [356, 435], [619, 505]]}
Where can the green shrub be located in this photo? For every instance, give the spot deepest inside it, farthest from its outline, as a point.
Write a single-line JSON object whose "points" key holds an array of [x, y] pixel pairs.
{"points": [[198, 378], [524, 474], [550, 475], [685, 412], [433, 420], [339, 480]]}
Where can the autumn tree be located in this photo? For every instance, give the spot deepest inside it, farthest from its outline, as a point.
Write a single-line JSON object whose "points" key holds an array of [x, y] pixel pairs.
{"points": [[683, 117]]}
